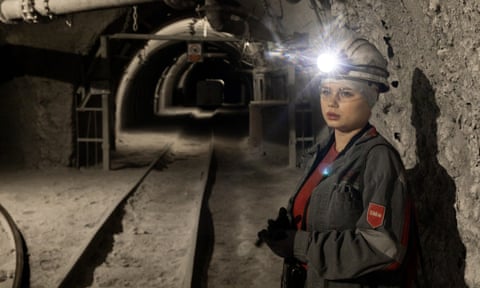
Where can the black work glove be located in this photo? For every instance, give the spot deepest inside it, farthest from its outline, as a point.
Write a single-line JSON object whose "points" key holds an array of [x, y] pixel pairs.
{"points": [[280, 241], [282, 221]]}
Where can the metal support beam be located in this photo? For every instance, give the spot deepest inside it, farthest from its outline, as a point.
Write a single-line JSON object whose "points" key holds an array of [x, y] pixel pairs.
{"points": [[259, 86], [292, 141], [94, 105], [135, 36], [106, 131], [106, 109]]}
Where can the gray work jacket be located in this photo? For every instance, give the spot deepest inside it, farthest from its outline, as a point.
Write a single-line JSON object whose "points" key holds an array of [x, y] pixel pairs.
{"points": [[358, 220]]}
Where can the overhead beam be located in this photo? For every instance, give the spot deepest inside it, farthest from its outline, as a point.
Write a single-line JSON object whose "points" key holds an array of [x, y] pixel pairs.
{"points": [[193, 38]]}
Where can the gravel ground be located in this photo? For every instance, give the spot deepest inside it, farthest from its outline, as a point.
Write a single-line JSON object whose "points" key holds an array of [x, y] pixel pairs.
{"points": [[57, 210], [249, 189]]}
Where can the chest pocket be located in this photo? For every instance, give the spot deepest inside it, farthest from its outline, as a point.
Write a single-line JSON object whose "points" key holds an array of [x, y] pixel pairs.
{"points": [[346, 205]]}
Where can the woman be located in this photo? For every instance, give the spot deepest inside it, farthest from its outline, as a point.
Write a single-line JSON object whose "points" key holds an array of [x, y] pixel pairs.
{"points": [[349, 222]]}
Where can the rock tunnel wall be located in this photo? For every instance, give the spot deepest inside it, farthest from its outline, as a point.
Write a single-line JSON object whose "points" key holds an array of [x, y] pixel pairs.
{"points": [[432, 116], [36, 131], [43, 68]]}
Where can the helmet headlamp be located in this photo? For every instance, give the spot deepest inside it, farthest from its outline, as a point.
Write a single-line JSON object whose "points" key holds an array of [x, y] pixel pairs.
{"points": [[355, 64], [328, 62], [332, 63]]}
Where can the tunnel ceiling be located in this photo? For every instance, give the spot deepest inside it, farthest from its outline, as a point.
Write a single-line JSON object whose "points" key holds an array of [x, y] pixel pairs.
{"points": [[159, 67], [250, 18]]}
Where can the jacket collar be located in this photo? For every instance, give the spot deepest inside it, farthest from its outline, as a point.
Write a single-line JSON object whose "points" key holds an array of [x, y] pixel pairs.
{"points": [[368, 132]]}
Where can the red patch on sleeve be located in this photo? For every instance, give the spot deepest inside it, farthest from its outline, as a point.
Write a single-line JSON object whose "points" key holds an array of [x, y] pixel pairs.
{"points": [[375, 215]]}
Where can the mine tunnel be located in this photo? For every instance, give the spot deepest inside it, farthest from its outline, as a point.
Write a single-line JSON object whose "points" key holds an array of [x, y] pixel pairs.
{"points": [[146, 143]]}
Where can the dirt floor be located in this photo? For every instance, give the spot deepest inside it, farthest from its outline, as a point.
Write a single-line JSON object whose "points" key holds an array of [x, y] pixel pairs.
{"points": [[58, 209], [249, 189]]}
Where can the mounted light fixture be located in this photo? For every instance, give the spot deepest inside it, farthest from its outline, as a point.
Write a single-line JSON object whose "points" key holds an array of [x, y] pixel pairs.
{"points": [[194, 52]]}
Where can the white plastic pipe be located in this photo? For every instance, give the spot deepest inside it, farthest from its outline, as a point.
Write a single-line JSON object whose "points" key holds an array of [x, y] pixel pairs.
{"points": [[11, 10]]}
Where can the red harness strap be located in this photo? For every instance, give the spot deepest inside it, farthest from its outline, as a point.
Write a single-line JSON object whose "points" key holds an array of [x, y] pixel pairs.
{"points": [[301, 201]]}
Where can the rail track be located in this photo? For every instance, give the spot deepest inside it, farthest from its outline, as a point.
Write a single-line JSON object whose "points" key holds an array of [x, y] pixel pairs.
{"points": [[82, 259], [156, 220], [128, 235], [138, 222], [12, 252]]}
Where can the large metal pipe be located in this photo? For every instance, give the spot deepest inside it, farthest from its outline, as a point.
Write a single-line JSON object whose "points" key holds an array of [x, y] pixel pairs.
{"points": [[220, 17], [181, 4], [244, 20], [29, 10]]}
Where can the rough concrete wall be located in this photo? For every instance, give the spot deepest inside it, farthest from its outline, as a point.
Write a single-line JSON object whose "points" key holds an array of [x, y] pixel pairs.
{"points": [[36, 103], [432, 116], [35, 123]]}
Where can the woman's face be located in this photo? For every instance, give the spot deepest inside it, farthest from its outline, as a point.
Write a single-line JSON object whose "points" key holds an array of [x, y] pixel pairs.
{"points": [[343, 106]]}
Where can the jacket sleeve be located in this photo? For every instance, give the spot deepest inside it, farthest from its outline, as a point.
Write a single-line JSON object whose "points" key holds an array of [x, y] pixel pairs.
{"points": [[379, 239]]}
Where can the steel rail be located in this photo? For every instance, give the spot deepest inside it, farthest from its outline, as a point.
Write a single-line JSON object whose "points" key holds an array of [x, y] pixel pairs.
{"points": [[93, 241], [9, 225]]}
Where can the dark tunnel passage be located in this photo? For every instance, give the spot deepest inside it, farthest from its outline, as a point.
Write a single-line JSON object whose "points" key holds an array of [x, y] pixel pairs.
{"points": [[161, 80]]}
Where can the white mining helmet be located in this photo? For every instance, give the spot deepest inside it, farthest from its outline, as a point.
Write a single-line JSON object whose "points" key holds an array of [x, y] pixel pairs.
{"points": [[356, 60]]}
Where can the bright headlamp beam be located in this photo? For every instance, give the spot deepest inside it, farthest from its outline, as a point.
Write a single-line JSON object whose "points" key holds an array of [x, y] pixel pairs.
{"points": [[328, 62]]}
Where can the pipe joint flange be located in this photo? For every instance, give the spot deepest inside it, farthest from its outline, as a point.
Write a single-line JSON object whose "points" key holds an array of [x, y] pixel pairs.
{"points": [[48, 12], [29, 14]]}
